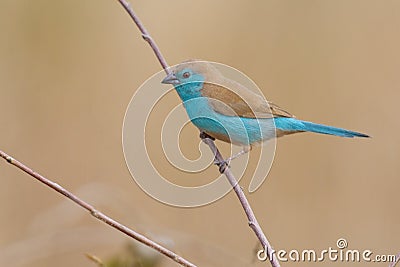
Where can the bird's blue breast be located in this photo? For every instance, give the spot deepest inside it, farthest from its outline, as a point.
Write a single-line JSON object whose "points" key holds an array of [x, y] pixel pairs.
{"points": [[239, 130], [189, 91]]}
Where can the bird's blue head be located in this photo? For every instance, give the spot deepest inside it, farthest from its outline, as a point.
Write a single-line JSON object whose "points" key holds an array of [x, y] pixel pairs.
{"points": [[188, 79]]}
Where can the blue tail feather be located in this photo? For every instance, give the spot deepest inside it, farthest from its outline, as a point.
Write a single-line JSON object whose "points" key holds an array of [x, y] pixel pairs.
{"points": [[294, 125]]}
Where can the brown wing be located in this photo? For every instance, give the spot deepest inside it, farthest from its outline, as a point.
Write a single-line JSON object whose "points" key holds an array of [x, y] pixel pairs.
{"points": [[277, 111], [240, 101]]}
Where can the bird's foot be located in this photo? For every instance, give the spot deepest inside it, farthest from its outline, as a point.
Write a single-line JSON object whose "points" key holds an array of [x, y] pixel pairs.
{"points": [[223, 165]]}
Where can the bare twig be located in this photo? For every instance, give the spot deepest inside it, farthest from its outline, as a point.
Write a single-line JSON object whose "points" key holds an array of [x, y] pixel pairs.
{"points": [[253, 223], [97, 214], [393, 264], [145, 34]]}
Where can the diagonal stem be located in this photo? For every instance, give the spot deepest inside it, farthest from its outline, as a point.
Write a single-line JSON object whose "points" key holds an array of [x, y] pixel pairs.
{"points": [[253, 223], [145, 34], [252, 220]]}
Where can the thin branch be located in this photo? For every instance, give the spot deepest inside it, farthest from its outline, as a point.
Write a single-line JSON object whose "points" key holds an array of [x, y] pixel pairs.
{"points": [[253, 223], [145, 34], [393, 264], [97, 214]]}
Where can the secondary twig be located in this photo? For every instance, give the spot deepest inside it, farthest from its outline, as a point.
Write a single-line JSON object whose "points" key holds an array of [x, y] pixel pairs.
{"points": [[97, 214], [253, 223]]}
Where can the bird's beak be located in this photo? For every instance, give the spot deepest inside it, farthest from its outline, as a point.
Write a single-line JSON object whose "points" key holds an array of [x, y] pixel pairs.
{"points": [[171, 79]]}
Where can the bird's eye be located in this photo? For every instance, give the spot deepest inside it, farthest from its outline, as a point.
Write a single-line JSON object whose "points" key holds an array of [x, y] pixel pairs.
{"points": [[186, 75]]}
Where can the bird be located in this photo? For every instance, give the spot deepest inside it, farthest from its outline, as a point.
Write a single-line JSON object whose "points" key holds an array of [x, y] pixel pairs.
{"points": [[226, 110]]}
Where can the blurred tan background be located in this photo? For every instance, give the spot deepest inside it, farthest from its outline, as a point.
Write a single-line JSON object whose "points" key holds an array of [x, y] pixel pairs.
{"points": [[69, 68]]}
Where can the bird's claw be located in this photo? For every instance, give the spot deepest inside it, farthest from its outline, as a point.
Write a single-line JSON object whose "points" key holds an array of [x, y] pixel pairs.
{"points": [[222, 165]]}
